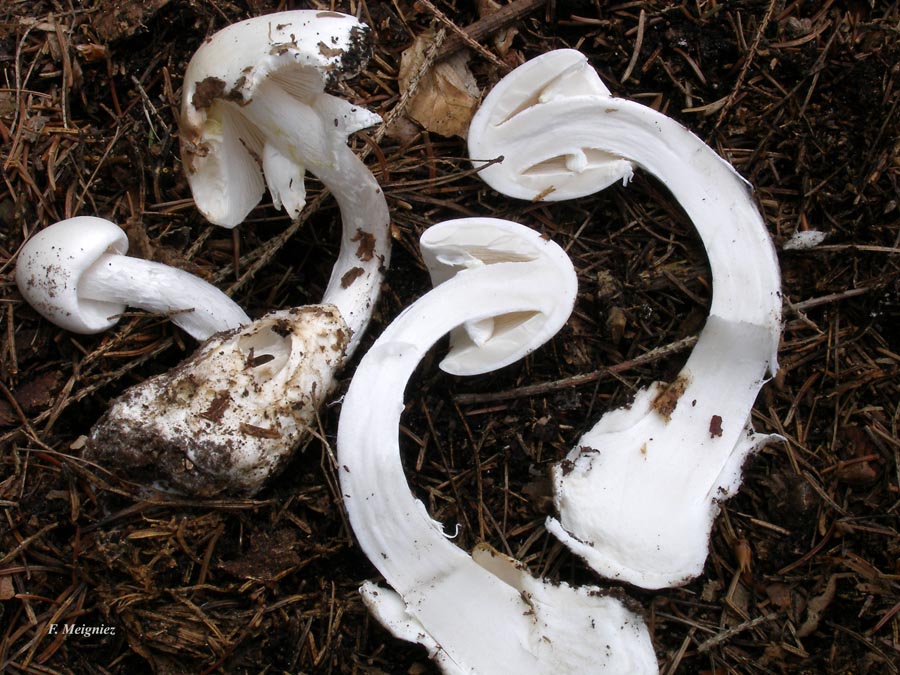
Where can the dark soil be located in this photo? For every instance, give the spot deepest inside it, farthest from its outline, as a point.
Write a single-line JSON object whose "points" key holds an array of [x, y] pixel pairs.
{"points": [[804, 571]]}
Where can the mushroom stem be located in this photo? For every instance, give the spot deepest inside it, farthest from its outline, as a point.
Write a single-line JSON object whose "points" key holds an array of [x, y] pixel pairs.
{"points": [[481, 613], [365, 244], [199, 308], [638, 494], [693, 452]]}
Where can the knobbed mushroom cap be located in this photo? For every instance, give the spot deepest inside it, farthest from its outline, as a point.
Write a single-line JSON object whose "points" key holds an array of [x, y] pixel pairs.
{"points": [[638, 495], [76, 274], [297, 53], [482, 613]]}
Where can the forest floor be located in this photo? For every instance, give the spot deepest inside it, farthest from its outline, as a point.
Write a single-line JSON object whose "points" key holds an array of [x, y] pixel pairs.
{"points": [[803, 574]]}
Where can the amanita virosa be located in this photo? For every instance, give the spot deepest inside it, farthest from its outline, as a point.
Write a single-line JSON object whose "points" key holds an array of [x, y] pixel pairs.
{"points": [[637, 496], [255, 113], [482, 613], [76, 274]]}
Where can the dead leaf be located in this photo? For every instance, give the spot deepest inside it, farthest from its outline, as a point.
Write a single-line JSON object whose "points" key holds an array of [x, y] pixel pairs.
{"points": [[446, 95], [114, 20], [711, 590], [39, 392], [616, 322], [858, 469], [540, 492], [269, 556], [7, 591], [7, 415], [816, 608], [502, 39], [742, 549], [779, 595]]}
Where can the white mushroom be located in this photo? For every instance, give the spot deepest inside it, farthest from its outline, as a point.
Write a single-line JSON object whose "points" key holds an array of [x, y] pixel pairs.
{"points": [[482, 613], [638, 494], [254, 105], [76, 274], [255, 112]]}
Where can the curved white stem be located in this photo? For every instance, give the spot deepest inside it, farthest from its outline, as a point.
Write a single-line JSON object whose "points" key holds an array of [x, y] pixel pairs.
{"points": [[638, 495], [308, 142], [481, 614], [198, 307]]}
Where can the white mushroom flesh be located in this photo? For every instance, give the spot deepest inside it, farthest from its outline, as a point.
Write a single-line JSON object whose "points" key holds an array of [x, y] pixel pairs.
{"points": [[301, 51], [482, 613], [480, 346], [365, 245], [196, 306], [560, 163], [638, 495]]}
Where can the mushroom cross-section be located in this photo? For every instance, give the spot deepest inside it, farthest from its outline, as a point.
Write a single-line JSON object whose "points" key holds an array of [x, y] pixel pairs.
{"points": [[76, 274], [255, 113], [482, 613], [638, 495]]}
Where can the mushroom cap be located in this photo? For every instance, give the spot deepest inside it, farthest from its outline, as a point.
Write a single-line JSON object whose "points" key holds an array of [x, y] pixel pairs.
{"points": [[231, 63], [50, 267], [556, 165], [303, 50], [454, 245]]}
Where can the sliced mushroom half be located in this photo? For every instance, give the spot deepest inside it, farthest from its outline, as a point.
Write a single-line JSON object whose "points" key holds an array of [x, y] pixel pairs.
{"points": [[482, 613], [638, 494]]}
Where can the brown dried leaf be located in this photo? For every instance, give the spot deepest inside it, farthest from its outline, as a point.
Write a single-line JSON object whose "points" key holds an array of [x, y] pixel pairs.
{"points": [[7, 103], [38, 393], [779, 595], [616, 322], [668, 395], [857, 470], [446, 95], [115, 20], [7, 415], [269, 556], [540, 492], [502, 39], [7, 591], [744, 555], [816, 608]]}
